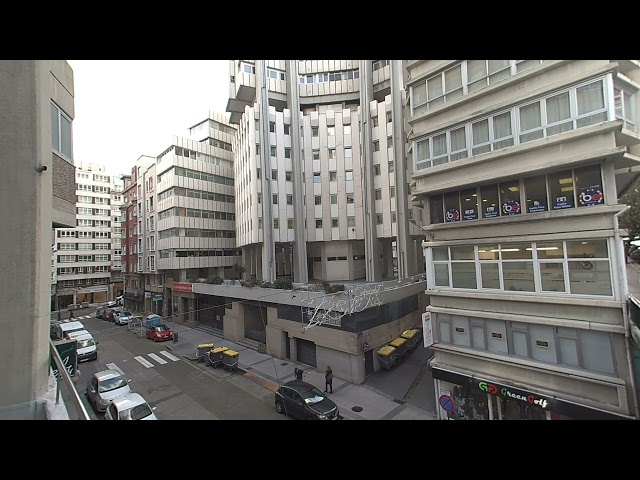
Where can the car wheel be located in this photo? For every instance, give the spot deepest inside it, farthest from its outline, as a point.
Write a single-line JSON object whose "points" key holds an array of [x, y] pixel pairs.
{"points": [[280, 408]]}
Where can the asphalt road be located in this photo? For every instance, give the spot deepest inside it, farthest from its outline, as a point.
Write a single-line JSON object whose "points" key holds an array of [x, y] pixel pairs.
{"points": [[178, 388]]}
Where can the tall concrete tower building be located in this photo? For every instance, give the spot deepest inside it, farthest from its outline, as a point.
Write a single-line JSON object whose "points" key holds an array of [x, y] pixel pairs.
{"points": [[321, 181]]}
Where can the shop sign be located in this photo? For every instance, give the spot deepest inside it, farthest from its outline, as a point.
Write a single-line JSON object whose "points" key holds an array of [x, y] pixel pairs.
{"points": [[427, 329], [182, 287], [513, 393]]}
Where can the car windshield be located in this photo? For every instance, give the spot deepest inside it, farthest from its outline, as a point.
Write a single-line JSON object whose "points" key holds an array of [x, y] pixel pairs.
{"points": [[162, 328], [86, 343], [111, 384], [126, 314], [136, 413], [312, 395]]}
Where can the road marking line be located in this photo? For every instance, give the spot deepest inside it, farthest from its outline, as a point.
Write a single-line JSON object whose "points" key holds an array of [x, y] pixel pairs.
{"points": [[169, 356], [144, 362], [161, 361], [87, 316], [113, 366]]}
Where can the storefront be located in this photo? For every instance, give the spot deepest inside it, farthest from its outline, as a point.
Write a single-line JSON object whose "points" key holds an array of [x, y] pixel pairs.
{"points": [[468, 397]]}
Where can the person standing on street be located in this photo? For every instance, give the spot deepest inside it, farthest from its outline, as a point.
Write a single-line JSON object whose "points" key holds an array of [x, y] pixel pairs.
{"points": [[71, 317], [328, 379], [298, 373], [59, 316]]}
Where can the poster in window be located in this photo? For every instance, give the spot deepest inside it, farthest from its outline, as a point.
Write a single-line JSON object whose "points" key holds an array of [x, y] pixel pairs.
{"points": [[470, 214], [537, 207], [563, 202], [512, 207], [591, 195], [490, 211], [452, 215]]}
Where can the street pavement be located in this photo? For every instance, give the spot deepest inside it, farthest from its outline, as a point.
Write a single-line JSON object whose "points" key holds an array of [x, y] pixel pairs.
{"points": [[384, 399]]}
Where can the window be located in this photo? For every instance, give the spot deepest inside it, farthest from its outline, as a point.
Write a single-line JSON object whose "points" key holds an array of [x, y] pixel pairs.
{"points": [[332, 153], [275, 198], [378, 194], [317, 178], [289, 199], [274, 175], [290, 223], [351, 222], [287, 152], [376, 146], [374, 122], [346, 129], [272, 127], [273, 150], [316, 154], [258, 173], [286, 129], [567, 268], [317, 200], [334, 223], [349, 197], [314, 131], [276, 223], [348, 175], [61, 132], [379, 218], [333, 176], [331, 131], [318, 223], [348, 152], [287, 176], [392, 192], [376, 170], [334, 199]]}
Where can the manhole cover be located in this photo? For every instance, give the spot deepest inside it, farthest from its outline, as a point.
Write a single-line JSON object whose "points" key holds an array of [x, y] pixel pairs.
{"points": [[357, 408]]}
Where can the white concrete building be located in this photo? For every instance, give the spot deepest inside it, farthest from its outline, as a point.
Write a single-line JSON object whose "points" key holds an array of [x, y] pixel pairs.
{"points": [[117, 277], [195, 213], [84, 253], [520, 165]]}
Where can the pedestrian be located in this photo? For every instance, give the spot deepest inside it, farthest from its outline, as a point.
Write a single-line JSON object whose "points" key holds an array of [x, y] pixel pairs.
{"points": [[59, 316], [328, 379], [298, 373], [71, 317]]}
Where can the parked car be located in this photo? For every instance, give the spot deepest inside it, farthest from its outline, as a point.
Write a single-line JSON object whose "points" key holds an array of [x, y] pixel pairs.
{"points": [[112, 303], [159, 333], [112, 314], [304, 401], [123, 318], [130, 407], [635, 255], [120, 300], [104, 387], [101, 312], [87, 347]]}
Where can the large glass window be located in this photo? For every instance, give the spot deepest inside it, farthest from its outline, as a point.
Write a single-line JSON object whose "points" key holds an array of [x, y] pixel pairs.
{"points": [[561, 190], [452, 207], [490, 201], [510, 197], [535, 190], [60, 132], [569, 268], [469, 201], [589, 186]]}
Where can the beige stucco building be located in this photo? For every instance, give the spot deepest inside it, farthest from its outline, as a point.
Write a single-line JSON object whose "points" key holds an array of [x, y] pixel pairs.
{"points": [[520, 166]]}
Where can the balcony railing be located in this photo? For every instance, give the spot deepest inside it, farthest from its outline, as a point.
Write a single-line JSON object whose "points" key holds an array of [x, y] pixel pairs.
{"points": [[62, 377]]}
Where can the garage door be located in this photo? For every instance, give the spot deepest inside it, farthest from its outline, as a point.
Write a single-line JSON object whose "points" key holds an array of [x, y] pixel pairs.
{"points": [[306, 352]]}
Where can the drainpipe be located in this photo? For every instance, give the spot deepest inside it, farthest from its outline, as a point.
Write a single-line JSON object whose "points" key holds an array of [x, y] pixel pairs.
{"points": [[625, 312]]}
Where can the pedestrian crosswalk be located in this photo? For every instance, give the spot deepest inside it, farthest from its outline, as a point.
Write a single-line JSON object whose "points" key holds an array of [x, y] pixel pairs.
{"points": [[144, 361]]}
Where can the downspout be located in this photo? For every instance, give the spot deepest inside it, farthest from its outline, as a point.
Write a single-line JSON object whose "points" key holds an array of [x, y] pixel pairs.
{"points": [[622, 273]]}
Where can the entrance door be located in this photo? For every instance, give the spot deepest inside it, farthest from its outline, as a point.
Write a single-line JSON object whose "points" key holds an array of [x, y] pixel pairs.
{"points": [[287, 345], [306, 352], [368, 363]]}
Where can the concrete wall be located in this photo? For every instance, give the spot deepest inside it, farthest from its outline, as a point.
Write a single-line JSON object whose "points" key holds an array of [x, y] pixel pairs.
{"points": [[25, 290]]}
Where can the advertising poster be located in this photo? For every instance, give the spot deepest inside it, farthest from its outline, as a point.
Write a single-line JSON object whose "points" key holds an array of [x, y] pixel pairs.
{"points": [[537, 207], [470, 214], [427, 329], [511, 207], [452, 215], [563, 202], [490, 212], [591, 195]]}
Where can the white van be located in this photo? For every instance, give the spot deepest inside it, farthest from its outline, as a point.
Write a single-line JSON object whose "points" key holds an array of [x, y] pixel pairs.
{"points": [[65, 328], [87, 346]]}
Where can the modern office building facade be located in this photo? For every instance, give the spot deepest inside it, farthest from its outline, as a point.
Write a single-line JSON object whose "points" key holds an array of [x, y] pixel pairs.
{"points": [[37, 193], [195, 237], [84, 253], [520, 166], [347, 197]]}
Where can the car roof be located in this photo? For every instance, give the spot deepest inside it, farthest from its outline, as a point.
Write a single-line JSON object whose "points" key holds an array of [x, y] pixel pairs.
{"points": [[107, 374], [81, 335], [299, 384], [129, 400], [71, 325]]}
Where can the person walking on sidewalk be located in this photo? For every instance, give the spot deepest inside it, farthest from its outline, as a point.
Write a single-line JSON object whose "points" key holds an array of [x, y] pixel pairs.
{"points": [[71, 317], [298, 373], [59, 316], [328, 379]]}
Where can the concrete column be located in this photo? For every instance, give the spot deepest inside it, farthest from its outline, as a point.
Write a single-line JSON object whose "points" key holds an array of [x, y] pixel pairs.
{"points": [[405, 266], [300, 273], [25, 239], [372, 249], [74, 297], [268, 244]]}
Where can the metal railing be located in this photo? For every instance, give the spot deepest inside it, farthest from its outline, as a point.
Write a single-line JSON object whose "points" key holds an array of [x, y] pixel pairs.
{"points": [[64, 377]]}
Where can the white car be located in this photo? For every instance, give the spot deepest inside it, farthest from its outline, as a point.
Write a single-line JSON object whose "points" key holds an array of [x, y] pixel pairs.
{"points": [[130, 407], [112, 303], [122, 318]]}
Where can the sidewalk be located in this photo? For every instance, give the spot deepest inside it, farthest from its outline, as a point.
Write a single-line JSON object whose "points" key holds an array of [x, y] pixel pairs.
{"points": [[270, 372]]}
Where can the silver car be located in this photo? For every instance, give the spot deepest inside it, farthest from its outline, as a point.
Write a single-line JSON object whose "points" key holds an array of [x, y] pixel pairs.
{"points": [[122, 318], [130, 407], [104, 387]]}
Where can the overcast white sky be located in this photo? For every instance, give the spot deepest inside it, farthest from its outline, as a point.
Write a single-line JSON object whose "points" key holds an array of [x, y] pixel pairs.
{"points": [[128, 108]]}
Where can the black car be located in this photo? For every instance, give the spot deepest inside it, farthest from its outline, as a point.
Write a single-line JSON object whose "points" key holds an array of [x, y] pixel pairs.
{"points": [[304, 401]]}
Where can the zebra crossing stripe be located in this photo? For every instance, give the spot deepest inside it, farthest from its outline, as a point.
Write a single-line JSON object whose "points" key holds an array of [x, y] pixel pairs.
{"points": [[169, 356], [144, 361], [161, 361]]}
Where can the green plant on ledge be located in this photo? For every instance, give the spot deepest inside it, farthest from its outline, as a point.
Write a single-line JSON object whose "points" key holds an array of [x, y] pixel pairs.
{"points": [[336, 287], [239, 269], [214, 280], [283, 283]]}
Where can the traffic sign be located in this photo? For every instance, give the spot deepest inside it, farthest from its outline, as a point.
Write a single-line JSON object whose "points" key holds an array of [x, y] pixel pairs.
{"points": [[446, 402]]}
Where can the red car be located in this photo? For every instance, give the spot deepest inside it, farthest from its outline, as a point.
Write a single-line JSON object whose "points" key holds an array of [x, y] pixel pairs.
{"points": [[159, 333]]}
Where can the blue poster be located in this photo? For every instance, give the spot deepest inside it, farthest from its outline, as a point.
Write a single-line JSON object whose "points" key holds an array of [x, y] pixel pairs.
{"points": [[537, 207], [511, 207], [452, 215], [470, 214], [591, 195], [490, 212], [563, 202]]}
